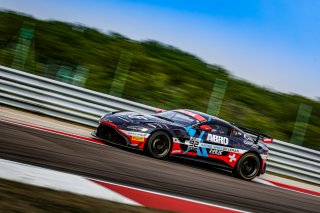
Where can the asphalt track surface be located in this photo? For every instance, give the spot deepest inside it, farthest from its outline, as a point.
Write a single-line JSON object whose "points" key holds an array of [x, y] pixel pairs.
{"points": [[129, 167]]}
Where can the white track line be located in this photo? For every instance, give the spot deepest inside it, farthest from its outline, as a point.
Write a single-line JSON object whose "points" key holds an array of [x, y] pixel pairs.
{"points": [[61, 181]]}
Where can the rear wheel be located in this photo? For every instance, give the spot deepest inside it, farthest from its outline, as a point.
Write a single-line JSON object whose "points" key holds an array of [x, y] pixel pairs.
{"points": [[159, 145], [248, 166]]}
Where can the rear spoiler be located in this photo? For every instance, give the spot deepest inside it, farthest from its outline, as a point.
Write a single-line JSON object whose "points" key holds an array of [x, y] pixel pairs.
{"points": [[263, 137]]}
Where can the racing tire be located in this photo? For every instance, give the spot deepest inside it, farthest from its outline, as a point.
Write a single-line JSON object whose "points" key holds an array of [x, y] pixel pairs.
{"points": [[247, 167], [159, 145]]}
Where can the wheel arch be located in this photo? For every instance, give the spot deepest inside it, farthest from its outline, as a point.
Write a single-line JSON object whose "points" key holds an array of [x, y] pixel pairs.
{"points": [[154, 131], [258, 155], [162, 130]]}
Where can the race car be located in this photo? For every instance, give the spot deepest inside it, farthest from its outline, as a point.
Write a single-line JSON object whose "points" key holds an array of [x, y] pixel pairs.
{"points": [[190, 134]]}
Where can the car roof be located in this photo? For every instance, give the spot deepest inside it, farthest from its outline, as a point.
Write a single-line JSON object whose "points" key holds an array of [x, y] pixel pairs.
{"points": [[197, 115]]}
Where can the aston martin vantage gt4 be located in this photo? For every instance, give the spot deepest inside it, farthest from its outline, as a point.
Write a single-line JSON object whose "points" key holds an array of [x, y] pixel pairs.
{"points": [[191, 134]]}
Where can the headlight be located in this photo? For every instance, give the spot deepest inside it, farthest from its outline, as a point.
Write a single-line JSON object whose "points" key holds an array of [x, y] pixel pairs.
{"points": [[138, 128]]}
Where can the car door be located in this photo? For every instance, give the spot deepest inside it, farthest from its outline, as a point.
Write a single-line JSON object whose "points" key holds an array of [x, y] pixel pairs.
{"points": [[219, 137], [219, 133], [209, 138]]}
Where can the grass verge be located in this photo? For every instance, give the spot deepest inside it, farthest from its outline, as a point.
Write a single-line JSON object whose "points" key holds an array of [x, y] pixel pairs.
{"points": [[18, 197]]}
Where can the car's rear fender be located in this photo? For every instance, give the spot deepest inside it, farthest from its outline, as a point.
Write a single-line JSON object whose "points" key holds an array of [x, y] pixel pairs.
{"points": [[260, 159]]}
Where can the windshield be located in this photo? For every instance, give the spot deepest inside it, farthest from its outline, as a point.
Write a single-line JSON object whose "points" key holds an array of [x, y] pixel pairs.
{"points": [[177, 117]]}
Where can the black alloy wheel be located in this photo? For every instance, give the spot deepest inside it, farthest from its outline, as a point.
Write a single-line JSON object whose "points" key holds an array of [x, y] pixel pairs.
{"points": [[159, 145], [248, 166]]}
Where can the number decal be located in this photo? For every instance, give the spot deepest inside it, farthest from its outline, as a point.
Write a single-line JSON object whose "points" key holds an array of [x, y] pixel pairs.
{"points": [[194, 143]]}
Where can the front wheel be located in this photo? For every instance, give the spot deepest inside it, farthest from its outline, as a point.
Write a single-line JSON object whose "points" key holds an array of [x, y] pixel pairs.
{"points": [[159, 145], [247, 167]]}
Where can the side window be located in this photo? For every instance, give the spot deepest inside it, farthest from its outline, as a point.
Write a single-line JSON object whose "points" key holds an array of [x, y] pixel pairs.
{"points": [[183, 119], [237, 133], [219, 128]]}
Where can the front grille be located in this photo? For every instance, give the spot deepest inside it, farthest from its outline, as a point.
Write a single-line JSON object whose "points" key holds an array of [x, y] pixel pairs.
{"points": [[110, 134]]}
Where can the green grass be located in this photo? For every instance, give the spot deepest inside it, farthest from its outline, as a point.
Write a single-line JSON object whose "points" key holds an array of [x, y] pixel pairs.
{"points": [[17, 197]]}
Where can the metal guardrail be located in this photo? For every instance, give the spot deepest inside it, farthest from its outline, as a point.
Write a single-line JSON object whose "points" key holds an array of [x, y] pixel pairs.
{"points": [[294, 161], [83, 106], [58, 99]]}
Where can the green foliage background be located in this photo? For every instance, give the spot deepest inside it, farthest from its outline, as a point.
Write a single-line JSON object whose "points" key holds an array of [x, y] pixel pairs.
{"points": [[160, 75]]}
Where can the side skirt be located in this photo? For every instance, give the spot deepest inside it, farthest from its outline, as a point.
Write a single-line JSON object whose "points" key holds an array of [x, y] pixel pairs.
{"points": [[211, 162]]}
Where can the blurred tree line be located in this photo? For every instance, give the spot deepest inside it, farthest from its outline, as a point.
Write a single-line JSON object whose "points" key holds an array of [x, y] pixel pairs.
{"points": [[160, 75]]}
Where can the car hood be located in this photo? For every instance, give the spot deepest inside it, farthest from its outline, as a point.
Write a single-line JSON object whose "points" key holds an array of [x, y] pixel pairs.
{"points": [[133, 118]]}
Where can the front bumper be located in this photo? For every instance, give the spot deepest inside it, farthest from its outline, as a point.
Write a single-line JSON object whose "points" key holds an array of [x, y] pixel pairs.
{"points": [[111, 134]]}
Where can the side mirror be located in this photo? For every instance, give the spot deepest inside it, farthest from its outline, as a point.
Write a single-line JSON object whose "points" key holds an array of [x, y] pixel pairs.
{"points": [[206, 127], [159, 110], [267, 140]]}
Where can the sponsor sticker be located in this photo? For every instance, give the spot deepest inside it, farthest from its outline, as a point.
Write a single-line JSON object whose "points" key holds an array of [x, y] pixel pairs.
{"points": [[215, 152], [218, 139], [138, 138], [232, 158], [248, 143], [136, 133], [195, 143]]}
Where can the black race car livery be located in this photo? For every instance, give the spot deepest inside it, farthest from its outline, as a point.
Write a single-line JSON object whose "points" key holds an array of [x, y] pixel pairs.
{"points": [[188, 133]]}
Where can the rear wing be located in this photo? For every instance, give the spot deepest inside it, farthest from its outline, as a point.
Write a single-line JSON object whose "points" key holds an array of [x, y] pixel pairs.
{"points": [[256, 136]]}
